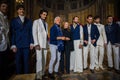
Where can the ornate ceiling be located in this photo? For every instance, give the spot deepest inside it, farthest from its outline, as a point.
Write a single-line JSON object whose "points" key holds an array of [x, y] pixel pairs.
{"points": [[68, 5]]}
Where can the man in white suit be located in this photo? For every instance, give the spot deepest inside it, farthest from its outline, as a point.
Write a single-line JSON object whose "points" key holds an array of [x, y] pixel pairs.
{"points": [[102, 41], [40, 32]]}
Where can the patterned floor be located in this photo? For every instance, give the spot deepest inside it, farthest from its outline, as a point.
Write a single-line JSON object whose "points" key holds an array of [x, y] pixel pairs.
{"points": [[104, 75], [96, 76], [86, 75]]}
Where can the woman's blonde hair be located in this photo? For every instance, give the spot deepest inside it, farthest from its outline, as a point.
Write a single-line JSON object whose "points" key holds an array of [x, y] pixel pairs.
{"points": [[68, 25]]}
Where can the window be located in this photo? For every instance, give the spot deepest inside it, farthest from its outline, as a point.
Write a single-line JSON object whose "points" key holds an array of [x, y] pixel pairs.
{"points": [[60, 6], [73, 5]]}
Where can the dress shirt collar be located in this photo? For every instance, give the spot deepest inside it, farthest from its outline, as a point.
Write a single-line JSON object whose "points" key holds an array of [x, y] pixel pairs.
{"points": [[98, 24], [88, 25], [22, 18], [110, 24]]}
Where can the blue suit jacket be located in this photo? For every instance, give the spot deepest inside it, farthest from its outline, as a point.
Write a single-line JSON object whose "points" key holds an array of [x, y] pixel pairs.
{"points": [[21, 32], [94, 33], [118, 34], [54, 33], [112, 33], [75, 32]]}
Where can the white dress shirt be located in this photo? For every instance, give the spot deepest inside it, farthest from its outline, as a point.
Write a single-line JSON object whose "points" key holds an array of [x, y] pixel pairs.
{"points": [[22, 18], [89, 33]]}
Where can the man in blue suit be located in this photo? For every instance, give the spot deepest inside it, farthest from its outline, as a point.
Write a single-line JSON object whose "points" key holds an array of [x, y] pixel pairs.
{"points": [[21, 33], [91, 35], [111, 33], [118, 38]]}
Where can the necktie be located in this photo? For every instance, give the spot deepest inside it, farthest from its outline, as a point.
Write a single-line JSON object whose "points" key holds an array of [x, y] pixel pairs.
{"points": [[44, 25]]}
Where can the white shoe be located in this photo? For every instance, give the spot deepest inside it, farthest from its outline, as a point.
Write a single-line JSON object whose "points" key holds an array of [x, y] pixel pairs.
{"points": [[102, 67], [97, 69], [39, 75]]}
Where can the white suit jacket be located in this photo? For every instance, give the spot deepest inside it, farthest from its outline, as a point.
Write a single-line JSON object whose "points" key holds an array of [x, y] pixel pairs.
{"points": [[4, 30], [102, 39], [39, 33]]}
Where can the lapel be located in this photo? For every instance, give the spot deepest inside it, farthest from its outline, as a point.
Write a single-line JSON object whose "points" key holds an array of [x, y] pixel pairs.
{"points": [[75, 27], [71, 27], [46, 27], [4, 21], [112, 26], [86, 29], [19, 20], [41, 25], [1, 18], [25, 21], [91, 29], [107, 27]]}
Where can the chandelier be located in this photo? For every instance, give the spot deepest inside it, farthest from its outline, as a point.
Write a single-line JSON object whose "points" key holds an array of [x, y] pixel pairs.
{"points": [[20, 1]]}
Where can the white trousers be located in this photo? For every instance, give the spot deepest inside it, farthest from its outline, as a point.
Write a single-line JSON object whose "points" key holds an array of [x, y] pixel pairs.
{"points": [[55, 56], [99, 55], [40, 60], [86, 49], [78, 65], [115, 49]]}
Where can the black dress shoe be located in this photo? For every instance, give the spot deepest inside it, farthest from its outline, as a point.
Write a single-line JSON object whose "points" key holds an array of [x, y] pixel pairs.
{"points": [[110, 68], [85, 68], [92, 71], [58, 74], [51, 76], [117, 71], [44, 76], [38, 79], [67, 72]]}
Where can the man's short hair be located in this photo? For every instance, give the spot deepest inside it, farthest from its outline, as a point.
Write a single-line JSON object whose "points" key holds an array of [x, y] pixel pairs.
{"points": [[56, 18], [96, 17], [89, 16], [75, 17], [43, 10], [19, 6], [109, 16], [3, 2]]}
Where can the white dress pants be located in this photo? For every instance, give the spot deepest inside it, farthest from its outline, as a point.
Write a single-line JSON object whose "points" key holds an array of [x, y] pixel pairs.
{"points": [[115, 49], [55, 56], [78, 65], [41, 60], [99, 56], [86, 49]]}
